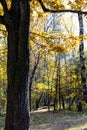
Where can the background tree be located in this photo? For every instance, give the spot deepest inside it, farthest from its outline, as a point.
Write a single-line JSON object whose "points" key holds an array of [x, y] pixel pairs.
{"points": [[82, 59]]}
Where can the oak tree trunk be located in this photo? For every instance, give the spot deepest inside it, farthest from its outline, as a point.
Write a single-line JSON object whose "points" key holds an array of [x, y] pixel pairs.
{"points": [[16, 21]]}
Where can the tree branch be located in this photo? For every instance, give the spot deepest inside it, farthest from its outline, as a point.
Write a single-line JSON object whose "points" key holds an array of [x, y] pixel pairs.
{"points": [[2, 20], [3, 2], [60, 11]]}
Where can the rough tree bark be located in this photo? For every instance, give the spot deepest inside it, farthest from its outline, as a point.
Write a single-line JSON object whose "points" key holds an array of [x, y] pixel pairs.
{"points": [[16, 21]]}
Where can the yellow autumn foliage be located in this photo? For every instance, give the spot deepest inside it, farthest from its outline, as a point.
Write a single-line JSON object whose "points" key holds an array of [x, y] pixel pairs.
{"points": [[56, 42], [42, 87]]}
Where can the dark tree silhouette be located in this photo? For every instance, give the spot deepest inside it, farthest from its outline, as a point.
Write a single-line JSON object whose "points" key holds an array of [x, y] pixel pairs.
{"points": [[16, 21]]}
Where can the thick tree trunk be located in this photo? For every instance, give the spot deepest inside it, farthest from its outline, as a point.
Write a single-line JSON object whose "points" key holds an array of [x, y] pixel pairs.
{"points": [[82, 59], [17, 117]]}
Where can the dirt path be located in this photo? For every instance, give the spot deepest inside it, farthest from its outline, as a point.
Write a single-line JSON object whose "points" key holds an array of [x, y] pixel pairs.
{"points": [[59, 121], [43, 120]]}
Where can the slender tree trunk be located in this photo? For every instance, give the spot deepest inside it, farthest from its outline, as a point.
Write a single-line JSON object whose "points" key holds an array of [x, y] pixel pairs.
{"points": [[63, 103], [82, 59], [38, 101], [32, 77], [48, 96], [59, 83], [56, 87]]}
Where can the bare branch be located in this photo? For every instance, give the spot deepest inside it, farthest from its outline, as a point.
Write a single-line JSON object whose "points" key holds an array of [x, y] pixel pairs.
{"points": [[60, 11]]}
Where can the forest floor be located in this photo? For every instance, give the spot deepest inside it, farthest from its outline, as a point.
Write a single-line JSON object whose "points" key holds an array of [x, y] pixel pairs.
{"points": [[62, 120]]}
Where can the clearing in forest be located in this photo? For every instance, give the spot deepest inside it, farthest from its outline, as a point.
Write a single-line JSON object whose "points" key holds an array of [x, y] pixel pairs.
{"points": [[43, 120]]}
